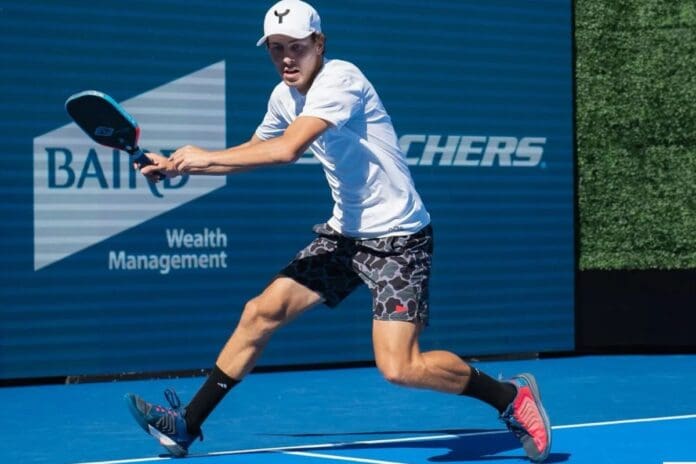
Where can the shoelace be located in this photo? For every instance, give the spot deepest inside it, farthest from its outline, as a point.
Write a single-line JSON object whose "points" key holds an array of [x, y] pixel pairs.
{"points": [[514, 426], [175, 403], [173, 399]]}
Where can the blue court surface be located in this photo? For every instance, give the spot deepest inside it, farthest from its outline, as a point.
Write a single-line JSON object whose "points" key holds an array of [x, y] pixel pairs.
{"points": [[605, 409]]}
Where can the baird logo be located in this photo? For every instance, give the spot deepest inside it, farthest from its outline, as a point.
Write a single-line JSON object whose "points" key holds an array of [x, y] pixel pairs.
{"points": [[114, 171], [85, 194]]}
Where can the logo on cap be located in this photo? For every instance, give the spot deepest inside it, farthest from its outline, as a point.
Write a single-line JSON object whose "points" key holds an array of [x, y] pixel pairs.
{"points": [[280, 15]]}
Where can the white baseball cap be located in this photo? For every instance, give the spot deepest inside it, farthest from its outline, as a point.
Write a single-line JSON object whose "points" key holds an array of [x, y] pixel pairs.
{"points": [[293, 18]]}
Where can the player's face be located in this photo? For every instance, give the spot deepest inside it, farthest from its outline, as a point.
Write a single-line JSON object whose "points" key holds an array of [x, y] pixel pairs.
{"points": [[297, 60]]}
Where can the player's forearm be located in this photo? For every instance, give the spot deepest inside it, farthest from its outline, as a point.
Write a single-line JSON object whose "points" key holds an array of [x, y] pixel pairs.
{"points": [[194, 160], [255, 153], [281, 150], [249, 156]]}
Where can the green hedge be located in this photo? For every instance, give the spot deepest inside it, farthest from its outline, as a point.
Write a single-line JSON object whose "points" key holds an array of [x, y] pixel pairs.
{"points": [[636, 130]]}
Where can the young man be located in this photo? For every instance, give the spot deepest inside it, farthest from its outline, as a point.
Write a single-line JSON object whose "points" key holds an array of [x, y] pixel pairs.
{"points": [[379, 234]]}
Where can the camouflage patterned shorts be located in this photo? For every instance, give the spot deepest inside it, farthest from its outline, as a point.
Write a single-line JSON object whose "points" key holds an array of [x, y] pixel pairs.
{"points": [[395, 269]]}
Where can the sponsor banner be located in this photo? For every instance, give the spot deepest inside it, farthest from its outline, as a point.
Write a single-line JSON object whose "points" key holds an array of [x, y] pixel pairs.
{"points": [[466, 151], [85, 193], [105, 273]]}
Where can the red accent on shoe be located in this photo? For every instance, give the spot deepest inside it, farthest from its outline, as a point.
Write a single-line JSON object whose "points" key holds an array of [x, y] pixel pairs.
{"points": [[527, 414]]}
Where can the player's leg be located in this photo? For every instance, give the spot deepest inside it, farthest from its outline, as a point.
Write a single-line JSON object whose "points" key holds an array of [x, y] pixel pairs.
{"points": [[281, 302], [400, 360], [176, 428], [318, 273], [397, 270]]}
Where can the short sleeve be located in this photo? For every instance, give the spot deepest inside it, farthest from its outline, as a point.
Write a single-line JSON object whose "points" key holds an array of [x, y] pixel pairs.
{"points": [[273, 123], [334, 98]]}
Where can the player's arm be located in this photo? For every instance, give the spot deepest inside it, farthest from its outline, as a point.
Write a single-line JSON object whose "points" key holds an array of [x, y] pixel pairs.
{"points": [[256, 152], [166, 167], [280, 150], [252, 141]]}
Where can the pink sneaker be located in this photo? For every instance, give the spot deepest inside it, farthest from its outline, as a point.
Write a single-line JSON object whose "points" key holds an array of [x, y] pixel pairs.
{"points": [[526, 418]]}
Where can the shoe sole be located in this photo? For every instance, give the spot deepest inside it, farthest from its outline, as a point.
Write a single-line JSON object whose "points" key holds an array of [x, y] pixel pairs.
{"points": [[529, 378], [169, 444], [131, 400]]}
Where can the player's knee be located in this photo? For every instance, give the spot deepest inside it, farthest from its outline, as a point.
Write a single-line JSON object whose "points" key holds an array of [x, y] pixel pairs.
{"points": [[396, 372], [260, 318]]}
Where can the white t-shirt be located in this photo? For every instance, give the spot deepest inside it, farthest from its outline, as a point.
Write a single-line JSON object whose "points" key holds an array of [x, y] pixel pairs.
{"points": [[370, 182]]}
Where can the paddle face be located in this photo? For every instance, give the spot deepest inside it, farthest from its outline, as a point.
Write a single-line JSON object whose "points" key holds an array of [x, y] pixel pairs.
{"points": [[104, 120], [108, 124]]}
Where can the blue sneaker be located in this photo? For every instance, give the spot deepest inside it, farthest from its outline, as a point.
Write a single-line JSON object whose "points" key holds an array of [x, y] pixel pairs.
{"points": [[526, 418], [167, 425]]}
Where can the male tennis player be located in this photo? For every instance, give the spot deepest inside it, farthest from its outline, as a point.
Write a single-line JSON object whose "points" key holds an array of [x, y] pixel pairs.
{"points": [[379, 235]]}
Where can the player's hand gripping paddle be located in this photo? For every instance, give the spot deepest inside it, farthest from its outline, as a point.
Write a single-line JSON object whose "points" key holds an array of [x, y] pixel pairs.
{"points": [[108, 124]]}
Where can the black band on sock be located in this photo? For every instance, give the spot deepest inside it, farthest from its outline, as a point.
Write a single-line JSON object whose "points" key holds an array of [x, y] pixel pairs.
{"points": [[487, 389], [207, 398]]}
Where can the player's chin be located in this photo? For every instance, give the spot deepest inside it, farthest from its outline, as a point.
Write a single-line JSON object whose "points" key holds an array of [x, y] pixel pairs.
{"points": [[292, 80]]}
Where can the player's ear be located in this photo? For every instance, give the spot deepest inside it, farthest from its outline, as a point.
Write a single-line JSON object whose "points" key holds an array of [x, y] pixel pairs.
{"points": [[320, 42]]}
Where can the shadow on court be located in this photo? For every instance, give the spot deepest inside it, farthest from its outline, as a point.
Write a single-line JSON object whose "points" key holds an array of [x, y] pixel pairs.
{"points": [[470, 445]]}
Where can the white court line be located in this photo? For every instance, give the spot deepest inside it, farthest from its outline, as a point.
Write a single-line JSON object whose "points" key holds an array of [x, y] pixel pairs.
{"points": [[339, 458], [620, 422], [287, 449], [128, 461]]}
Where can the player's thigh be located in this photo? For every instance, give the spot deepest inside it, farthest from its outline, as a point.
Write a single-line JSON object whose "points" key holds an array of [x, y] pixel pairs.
{"points": [[283, 300], [395, 343]]}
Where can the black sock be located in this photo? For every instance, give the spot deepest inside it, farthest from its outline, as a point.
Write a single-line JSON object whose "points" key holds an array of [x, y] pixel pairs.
{"points": [[209, 395], [487, 389]]}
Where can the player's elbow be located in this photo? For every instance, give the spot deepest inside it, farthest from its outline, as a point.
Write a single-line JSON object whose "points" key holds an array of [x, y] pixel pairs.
{"points": [[290, 156], [289, 153]]}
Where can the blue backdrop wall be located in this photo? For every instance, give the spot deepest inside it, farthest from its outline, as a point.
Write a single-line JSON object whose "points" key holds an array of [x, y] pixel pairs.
{"points": [[103, 274]]}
